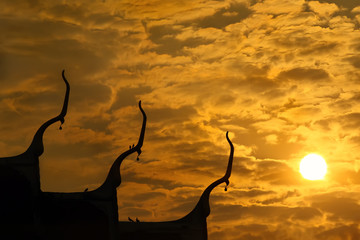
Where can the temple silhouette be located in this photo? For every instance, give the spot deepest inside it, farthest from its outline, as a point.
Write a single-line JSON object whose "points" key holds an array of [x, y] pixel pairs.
{"points": [[26, 212]]}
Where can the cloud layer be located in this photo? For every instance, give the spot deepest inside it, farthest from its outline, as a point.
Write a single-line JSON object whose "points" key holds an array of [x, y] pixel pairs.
{"points": [[281, 76]]}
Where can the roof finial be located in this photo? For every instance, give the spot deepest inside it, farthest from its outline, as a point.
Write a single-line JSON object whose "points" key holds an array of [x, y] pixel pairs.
{"points": [[37, 146], [113, 178], [203, 205]]}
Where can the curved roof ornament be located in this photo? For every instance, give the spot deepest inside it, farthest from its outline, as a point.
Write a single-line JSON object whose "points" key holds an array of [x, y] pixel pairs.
{"points": [[113, 179], [48, 214], [97, 207], [37, 146], [191, 227], [203, 205], [20, 178]]}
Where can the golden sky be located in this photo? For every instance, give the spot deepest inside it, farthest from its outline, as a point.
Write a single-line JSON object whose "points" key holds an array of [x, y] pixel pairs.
{"points": [[282, 76]]}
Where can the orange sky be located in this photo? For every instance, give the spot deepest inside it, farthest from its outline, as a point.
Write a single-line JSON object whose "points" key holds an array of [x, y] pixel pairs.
{"points": [[282, 76]]}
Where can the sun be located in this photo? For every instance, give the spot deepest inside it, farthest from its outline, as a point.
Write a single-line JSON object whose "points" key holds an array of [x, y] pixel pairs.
{"points": [[313, 167]]}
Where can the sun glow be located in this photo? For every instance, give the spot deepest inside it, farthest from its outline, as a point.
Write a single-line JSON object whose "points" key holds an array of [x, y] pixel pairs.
{"points": [[313, 167]]}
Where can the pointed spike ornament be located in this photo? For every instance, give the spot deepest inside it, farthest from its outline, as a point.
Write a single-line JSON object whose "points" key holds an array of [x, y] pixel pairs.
{"points": [[227, 184], [62, 120]]}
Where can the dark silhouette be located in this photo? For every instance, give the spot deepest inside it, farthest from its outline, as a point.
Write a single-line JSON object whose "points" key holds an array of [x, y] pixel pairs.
{"points": [[93, 214], [20, 182], [26, 212], [191, 227]]}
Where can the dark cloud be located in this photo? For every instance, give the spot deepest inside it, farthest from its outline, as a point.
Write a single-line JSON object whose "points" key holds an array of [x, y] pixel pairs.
{"points": [[345, 9], [355, 61], [23, 4], [146, 196], [78, 149], [225, 16], [164, 37], [349, 121], [175, 115], [225, 100], [128, 96], [69, 54], [185, 206], [96, 123], [70, 11], [306, 7], [252, 228], [281, 198], [306, 213], [28, 102], [85, 96], [321, 48], [297, 41], [153, 182], [263, 213], [281, 149], [257, 85], [253, 2], [350, 232], [355, 46], [342, 3], [305, 74], [82, 14], [252, 193], [47, 46], [340, 208], [213, 167]]}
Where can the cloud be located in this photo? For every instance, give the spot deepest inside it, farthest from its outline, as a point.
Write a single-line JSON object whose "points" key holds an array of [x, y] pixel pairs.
{"points": [[346, 3], [355, 61], [127, 97], [280, 199], [281, 76], [223, 17], [265, 213], [164, 38], [305, 74], [339, 207], [350, 232]]}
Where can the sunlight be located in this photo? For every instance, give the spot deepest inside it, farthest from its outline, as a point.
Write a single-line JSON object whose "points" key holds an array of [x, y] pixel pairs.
{"points": [[313, 167]]}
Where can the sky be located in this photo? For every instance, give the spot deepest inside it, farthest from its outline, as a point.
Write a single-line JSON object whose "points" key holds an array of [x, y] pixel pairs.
{"points": [[282, 76]]}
